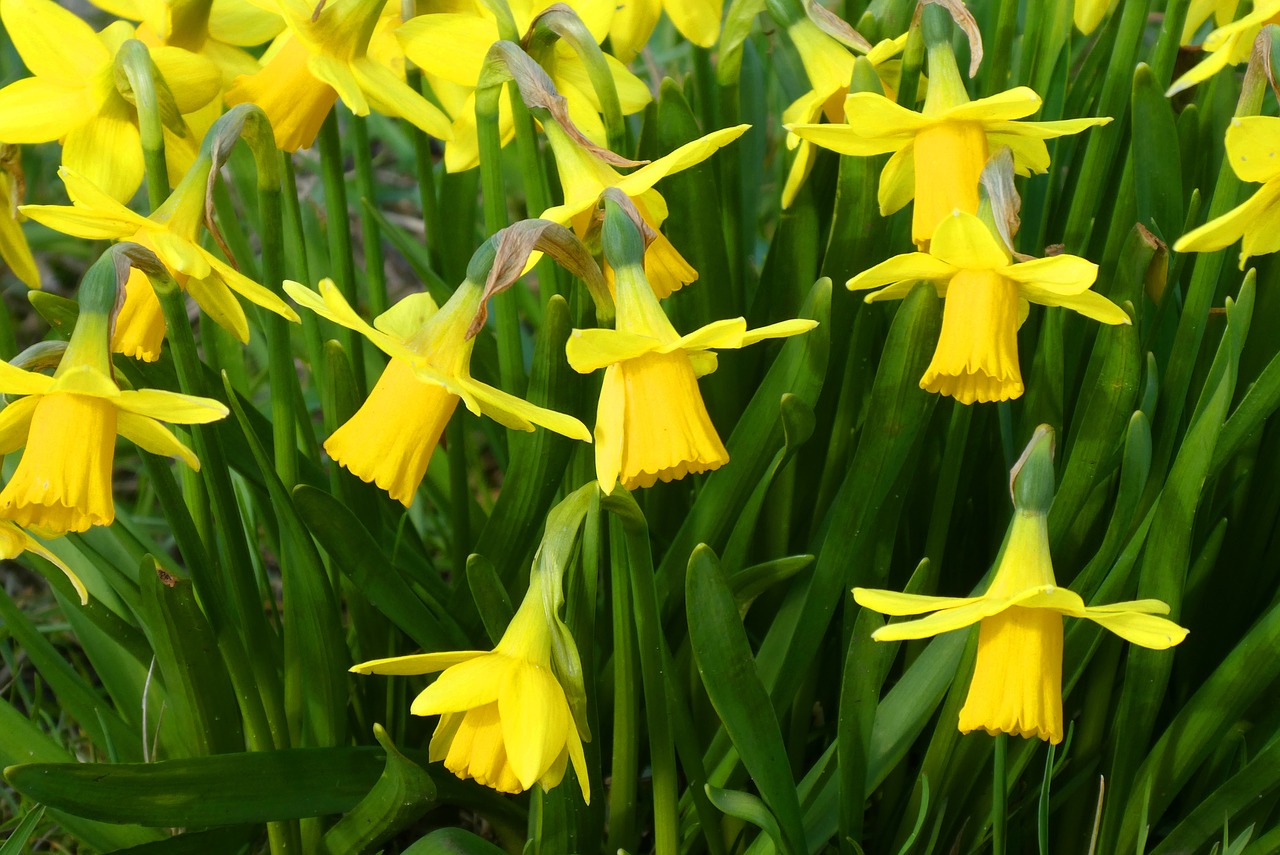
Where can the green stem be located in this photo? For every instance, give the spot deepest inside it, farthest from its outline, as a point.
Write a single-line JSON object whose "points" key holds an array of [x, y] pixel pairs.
{"points": [[626, 724], [283, 377], [999, 795], [366, 189], [425, 163], [298, 268], [341, 258], [459, 493]]}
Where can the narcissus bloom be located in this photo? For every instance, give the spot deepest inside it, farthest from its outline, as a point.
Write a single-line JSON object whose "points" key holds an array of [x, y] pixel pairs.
{"points": [[1017, 678], [829, 67], [697, 20], [69, 423], [505, 718], [1253, 149], [390, 439], [1230, 44], [651, 422], [939, 153], [73, 95], [324, 56], [450, 48], [584, 176], [172, 232], [986, 293], [1222, 12]]}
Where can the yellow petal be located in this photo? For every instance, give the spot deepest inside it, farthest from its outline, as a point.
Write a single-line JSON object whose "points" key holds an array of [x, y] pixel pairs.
{"points": [[632, 25], [173, 407], [33, 545], [239, 22], [518, 414], [910, 267], [897, 604], [15, 423], [800, 168], [420, 663], [293, 98], [1262, 236], [964, 241], [535, 721], [609, 429], [107, 150], [970, 612], [1149, 631], [1251, 147], [875, 117], [194, 80], [468, 684], [592, 349], [451, 46], [697, 20], [337, 74], [844, 140], [1225, 230], [405, 319], [150, 435], [392, 96], [330, 304], [1089, 13], [1061, 274], [139, 328], [54, 42], [1011, 104], [35, 110], [682, 158], [579, 761], [247, 288], [14, 248], [898, 180], [1088, 303]]}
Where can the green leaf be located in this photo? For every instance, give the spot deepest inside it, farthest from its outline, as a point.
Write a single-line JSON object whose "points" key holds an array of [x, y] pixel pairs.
{"points": [[225, 789], [233, 840], [492, 599], [748, 808], [20, 835], [402, 794], [1158, 168], [728, 672], [452, 841]]}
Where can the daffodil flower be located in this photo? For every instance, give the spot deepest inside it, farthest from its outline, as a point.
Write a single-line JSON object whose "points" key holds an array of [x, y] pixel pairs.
{"points": [[986, 293], [324, 56], [1199, 11], [829, 67], [450, 48], [1229, 44], [69, 423], [1017, 678], [584, 176], [651, 422], [939, 154], [390, 439], [172, 232], [1252, 151], [508, 717], [73, 96], [697, 20]]}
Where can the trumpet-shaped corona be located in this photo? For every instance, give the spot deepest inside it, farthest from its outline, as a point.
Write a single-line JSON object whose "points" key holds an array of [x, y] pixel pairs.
{"points": [[1017, 678], [1252, 151], [172, 232], [390, 439], [985, 291]]}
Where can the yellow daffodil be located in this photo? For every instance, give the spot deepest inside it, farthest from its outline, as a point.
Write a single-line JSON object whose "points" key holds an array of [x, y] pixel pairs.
{"points": [[584, 176], [323, 56], [1199, 11], [172, 232], [14, 248], [651, 422], [1017, 678], [450, 48], [14, 541], [939, 153], [69, 423], [829, 67], [390, 439], [73, 95], [1230, 44], [986, 293], [215, 29], [1253, 149], [697, 20], [513, 717]]}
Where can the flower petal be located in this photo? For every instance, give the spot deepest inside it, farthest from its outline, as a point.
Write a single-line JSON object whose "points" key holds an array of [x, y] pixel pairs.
{"points": [[844, 140], [697, 20], [419, 663], [1252, 149], [17, 381], [592, 349], [173, 407], [330, 304], [15, 423], [898, 180], [391, 95], [36, 110], [1091, 304], [1224, 230], [337, 74], [895, 603], [150, 435], [54, 42], [449, 45], [1014, 103], [967, 614], [964, 241], [1147, 630], [216, 300], [107, 150], [1060, 274], [406, 317], [466, 685], [193, 79], [875, 117], [909, 267], [608, 434], [682, 158], [518, 414], [33, 545], [250, 290], [535, 720]]}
